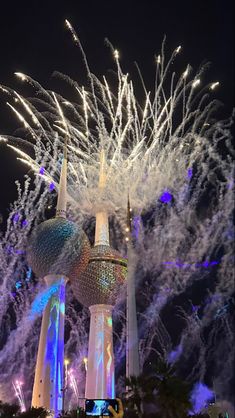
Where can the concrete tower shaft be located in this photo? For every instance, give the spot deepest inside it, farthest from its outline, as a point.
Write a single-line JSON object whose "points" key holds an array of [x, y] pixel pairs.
{"points": [[100, 379], [107, 269], [48, 380]]}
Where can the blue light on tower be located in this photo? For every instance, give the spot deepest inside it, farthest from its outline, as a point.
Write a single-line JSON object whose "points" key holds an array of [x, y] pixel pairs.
{"points": [[54, 356], [42, 299]]}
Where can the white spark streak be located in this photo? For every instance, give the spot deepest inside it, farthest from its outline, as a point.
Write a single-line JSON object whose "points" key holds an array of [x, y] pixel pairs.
{"points": [[214, 85], [17, 385]]}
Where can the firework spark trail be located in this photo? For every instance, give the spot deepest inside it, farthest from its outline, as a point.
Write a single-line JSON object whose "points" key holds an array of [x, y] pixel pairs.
{"points": [[166, 143], [17, 385], [73, 384], [18, 355]]}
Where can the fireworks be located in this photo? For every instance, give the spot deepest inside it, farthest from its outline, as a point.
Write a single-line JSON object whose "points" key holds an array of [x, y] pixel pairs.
{"points": [[17, 385], [73, 383], [140, 142], [163, 149]]}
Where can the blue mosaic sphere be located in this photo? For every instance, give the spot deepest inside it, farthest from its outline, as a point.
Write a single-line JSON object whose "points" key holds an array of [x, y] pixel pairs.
{"points": [[101, 281], [58, 246]]}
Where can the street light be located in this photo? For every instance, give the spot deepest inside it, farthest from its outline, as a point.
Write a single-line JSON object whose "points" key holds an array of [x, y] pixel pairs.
{"points": [[63, 390]]}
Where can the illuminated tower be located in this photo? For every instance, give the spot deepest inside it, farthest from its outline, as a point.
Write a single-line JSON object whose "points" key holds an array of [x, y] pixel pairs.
{"points": [[58, 250], [97, 288], [132, 341]]}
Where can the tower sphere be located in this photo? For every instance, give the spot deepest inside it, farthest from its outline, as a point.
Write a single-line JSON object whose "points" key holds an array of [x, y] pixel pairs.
{"points": [[58, 246], [103, 277]]}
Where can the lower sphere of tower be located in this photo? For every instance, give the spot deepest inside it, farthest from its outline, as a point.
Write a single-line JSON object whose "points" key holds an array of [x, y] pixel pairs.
{"points": [[101, 281], [58, 246]]}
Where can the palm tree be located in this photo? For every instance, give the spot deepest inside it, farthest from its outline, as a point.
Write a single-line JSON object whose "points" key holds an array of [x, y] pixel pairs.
{"points": [[162, 389], [172, 393], [173, 398]]}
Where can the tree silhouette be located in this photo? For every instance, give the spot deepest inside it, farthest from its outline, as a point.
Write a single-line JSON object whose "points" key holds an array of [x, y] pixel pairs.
{"points": [[162, 389], [75, 413], [34, 413], [8, 411]]}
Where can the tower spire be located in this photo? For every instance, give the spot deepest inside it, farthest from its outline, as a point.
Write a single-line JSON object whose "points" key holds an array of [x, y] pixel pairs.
{"points": [[102, 222], [102, 174], [62, 192]]}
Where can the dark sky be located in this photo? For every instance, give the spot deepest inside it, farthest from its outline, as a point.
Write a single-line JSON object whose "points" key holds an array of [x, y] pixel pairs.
{"points": [[33, 40]]}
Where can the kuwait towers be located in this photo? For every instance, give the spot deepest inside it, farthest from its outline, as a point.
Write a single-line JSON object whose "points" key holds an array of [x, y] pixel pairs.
{"points": [[58, 251], [97, 288]]}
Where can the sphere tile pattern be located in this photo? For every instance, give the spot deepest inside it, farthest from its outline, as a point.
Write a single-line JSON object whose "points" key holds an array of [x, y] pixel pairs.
{"points": [[103, 277], [58, 246]]}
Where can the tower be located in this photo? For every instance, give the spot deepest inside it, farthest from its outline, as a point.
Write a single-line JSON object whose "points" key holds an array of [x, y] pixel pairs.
{"points": [[132, 341], [97, 288], [58, 249]]}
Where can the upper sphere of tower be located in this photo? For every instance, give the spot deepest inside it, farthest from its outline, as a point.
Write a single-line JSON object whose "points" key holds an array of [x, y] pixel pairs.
{"points": [[58, 246], [103, 277]]}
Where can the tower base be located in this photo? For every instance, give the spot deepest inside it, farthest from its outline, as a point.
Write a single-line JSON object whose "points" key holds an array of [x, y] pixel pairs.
{"points": [[100, 381], [48, 381]]}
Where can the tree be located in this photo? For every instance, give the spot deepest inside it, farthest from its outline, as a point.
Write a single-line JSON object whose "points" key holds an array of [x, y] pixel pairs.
{"points": [[140, 391], [8, 411], [75, 413], [173, 398], [34, 413], [162, 389]]}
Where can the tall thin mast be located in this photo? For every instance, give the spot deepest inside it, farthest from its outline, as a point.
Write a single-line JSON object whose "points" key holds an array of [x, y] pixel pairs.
{"points": [[132, 344], [62, 192]]}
